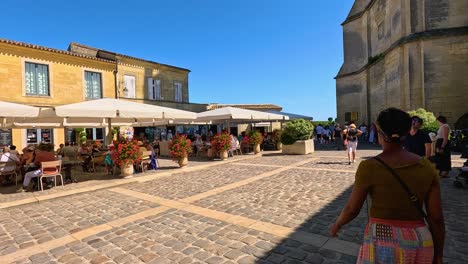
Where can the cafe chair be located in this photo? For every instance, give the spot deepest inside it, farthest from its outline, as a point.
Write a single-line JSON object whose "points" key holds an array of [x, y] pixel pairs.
{"points": [[51, 169], [11, 165]]}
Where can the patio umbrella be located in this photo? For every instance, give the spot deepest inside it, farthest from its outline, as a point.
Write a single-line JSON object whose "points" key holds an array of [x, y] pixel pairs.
{"points": [[234, 113], [239, 114], [11, 111], [117, 110]]}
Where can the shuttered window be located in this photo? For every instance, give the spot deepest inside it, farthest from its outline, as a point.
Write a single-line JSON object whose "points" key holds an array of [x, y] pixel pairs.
{"points": [[129, 89], [37, 79], [154, 89], [178, 92], [93, 85]]}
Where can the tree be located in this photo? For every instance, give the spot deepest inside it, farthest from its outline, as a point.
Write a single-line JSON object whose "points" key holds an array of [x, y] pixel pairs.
{"points": [[330, 119], [297, 129], [429, 119]]}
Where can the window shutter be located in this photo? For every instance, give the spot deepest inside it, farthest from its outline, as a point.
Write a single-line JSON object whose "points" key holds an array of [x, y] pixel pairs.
{"points": [[150, 89], [157, 90]]}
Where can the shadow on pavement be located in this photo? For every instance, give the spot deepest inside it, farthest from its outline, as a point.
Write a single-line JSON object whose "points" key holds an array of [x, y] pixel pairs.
{"points": [[310, 242]]}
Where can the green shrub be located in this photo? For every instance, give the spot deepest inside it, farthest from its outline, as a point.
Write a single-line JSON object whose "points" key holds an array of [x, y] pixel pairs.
{"points": [[287, 139], [298, 129], [429, 120]]}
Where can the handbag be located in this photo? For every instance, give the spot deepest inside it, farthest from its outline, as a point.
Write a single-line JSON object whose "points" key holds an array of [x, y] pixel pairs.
{"points": [[413, 197]]}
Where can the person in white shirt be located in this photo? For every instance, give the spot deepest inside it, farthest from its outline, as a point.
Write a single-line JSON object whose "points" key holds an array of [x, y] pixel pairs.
{"points": [[10, 159]]}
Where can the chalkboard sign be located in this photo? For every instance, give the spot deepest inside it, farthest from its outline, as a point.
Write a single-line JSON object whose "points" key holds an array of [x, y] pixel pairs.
{"points": [[5, 137]]}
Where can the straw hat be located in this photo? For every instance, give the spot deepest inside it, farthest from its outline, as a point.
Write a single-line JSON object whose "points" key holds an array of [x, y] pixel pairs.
{"points": [[352, 126], [140, 143]]}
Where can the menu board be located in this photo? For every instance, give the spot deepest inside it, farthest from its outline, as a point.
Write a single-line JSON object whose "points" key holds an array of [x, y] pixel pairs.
{"points": [[5, 137]]}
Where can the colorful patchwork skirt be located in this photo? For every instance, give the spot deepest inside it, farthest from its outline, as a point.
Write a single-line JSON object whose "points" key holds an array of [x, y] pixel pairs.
{"points": [[393, 241]]}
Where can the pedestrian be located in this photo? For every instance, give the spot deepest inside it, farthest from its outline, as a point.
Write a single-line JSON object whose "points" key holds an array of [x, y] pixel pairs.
{"points": [[443, 161], [352, 134], [337, 136], [319, 133], [326, 134], [418, 141], [396, 231], [372, 133], [363, 128]]}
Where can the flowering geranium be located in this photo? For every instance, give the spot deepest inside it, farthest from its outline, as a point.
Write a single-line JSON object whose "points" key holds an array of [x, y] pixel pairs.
{"points": [[126, 152], [255, 137], [221, 141], [180, 147]]}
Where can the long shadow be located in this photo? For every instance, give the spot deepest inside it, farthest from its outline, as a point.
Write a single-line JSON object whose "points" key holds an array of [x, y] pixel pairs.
{"points": [[304, 246]]}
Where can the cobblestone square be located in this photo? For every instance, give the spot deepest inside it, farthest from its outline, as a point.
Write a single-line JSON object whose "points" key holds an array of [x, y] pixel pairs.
{"points": [[259, 209]]}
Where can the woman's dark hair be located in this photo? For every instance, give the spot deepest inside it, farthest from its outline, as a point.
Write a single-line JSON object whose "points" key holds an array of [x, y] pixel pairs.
{"points": [[418, 119], [442, 119], [395, 124]]}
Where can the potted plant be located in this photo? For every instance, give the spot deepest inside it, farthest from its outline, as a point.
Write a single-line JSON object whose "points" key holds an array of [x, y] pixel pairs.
{"points": [[277, 138], [179, 148], [126, 154], [221, 143], [296, 137], [255, 139]]}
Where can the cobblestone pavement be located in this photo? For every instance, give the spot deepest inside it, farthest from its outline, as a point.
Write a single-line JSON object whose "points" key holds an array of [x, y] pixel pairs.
{"points": [[182, 185], [269, 209]]}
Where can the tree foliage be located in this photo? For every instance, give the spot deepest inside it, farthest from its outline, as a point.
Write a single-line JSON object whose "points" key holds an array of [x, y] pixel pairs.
{"points": [[429, 120]]}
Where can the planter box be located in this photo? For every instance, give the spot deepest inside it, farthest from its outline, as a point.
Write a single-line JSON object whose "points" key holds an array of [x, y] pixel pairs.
{"points": [[300, 147]]}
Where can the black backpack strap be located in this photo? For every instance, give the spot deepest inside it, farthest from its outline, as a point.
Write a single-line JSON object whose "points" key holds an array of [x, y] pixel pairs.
{"points": [[413, 198]]}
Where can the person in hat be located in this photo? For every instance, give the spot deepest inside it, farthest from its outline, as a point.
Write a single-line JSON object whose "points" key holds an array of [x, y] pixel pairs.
{"points": [[351, 138]]}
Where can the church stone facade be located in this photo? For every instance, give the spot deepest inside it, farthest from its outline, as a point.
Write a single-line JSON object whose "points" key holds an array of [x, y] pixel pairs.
{"points": [[404, 53]]}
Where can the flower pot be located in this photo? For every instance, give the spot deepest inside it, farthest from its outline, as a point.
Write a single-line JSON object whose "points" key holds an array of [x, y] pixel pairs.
{"points": [[127, 171], [257, 148], [209, 153], [183, 162], [223, 155], [279, 145]]}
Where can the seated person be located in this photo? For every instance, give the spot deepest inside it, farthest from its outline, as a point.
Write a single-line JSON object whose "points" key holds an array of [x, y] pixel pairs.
{"points": [[14, 151], [12, 159], [44, 152], [60, 150]]}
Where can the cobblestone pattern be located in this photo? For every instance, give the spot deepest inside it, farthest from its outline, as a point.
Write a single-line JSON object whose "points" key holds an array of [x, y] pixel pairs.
{"points": [[25, 226], [309, 200], [182, 185], [277, 159], [180, 237], [455, 204]]}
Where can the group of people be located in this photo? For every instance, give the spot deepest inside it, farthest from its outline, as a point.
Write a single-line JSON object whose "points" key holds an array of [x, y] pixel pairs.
{"points": [[400, 182], [28, 163]]}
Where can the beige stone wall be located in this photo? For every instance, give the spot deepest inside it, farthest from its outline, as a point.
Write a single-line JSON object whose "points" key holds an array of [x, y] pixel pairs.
{"points": [[445, 14], [66, 81], [351, 95], [143, 70], [429, 72], [446, 76], [355, 45]]}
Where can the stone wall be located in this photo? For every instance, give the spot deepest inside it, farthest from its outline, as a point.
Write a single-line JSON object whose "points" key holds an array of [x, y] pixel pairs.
{"points": [[414, 55], [446, 76]]}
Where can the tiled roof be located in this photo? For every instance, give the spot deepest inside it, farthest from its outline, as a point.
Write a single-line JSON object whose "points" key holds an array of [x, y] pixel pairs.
{"points": [[126, 56], [38, 47], [245, 106]]}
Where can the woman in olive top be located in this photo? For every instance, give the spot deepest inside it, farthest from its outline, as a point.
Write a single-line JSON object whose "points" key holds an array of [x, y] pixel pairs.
{"points": [[396, 231]]}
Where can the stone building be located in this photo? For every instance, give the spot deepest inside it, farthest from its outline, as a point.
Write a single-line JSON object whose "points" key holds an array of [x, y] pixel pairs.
{"points": [[45, 77], [404, 53]]}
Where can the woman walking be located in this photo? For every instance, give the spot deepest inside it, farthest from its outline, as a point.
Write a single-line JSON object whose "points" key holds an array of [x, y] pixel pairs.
{"points": [[399, 183], [352, 134], [443, 161]]}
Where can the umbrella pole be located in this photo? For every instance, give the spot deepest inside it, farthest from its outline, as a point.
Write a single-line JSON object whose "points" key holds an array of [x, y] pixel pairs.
{"points": [[109, 132]]}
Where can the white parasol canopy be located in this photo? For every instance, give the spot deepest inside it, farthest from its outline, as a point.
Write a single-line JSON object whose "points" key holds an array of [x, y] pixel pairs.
{"points": [[116, 108], [234, 113], [17, 110]]}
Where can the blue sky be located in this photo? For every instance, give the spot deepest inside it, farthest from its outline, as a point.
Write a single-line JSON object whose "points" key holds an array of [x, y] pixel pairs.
{"points": [[239, 51]]}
